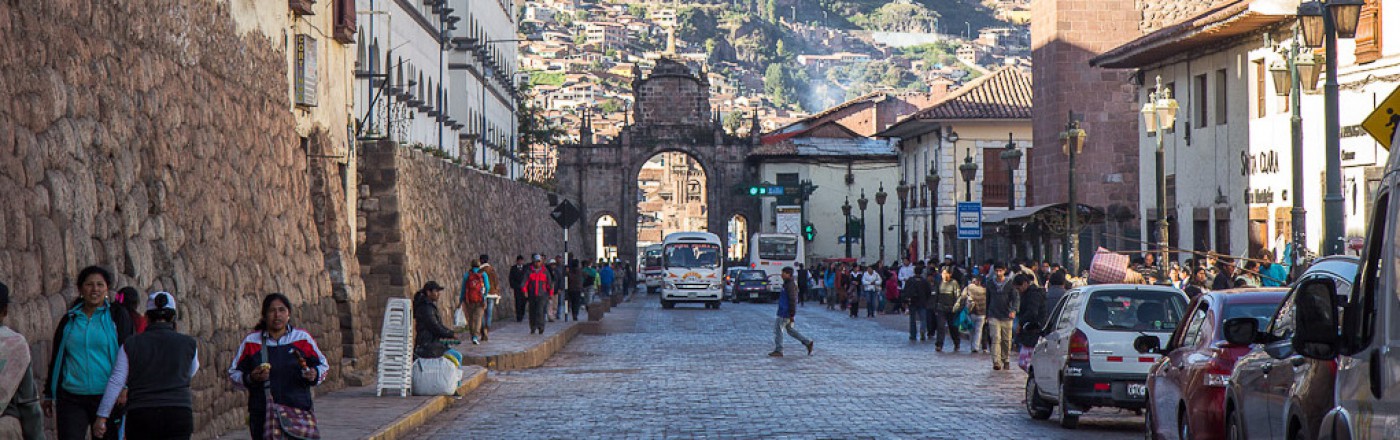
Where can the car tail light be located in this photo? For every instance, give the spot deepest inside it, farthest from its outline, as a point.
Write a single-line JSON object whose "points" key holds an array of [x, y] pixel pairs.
{"points": [[1217, 372], [1079, 346]]}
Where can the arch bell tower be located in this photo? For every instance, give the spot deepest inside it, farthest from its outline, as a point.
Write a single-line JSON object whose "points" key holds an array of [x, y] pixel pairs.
{"points": [[671, 114]]}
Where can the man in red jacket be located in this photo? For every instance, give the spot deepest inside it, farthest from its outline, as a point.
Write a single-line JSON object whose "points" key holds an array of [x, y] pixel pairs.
{"points": [[539, 287]]}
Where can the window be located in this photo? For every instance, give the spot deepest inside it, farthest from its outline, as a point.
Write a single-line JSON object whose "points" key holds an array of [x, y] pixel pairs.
{"points": [[1134, 310], [1199, 100], [1261, 312], [1368, 33], [1055, 315], [1191, 337], [1261, 89], [1281, 329], [1071, 308], [343, 12], [1378, 237], [1221, 98]]}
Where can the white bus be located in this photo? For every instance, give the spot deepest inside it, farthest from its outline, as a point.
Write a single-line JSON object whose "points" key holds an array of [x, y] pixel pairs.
{"points": [[651, 268], [692, 265], [770, 253]]}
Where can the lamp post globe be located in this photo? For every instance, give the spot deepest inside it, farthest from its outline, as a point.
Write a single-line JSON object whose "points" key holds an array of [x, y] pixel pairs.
{"points": [[1012, 156]]}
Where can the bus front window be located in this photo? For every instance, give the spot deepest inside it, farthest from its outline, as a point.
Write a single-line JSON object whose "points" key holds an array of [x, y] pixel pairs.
{"points": [[692, 256]]}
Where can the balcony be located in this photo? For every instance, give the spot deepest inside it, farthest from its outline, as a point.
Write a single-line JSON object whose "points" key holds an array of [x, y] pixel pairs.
{"points": [[996, 195]]}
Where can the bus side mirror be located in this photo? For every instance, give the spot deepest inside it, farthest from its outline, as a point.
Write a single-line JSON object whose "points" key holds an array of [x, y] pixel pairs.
{"points": [[1316, 332]]}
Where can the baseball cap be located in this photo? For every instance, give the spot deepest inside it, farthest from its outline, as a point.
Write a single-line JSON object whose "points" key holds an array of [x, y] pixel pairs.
{"points": [[160, 300], [4, 294], [537, 257], [431, 286]]}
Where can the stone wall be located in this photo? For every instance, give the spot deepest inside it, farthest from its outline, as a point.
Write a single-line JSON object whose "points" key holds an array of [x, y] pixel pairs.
{"points": [[424, 218], [150, 137]]}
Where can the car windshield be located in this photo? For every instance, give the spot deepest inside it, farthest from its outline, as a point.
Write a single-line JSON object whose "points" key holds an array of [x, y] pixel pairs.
{"points": [[752, 275], [1261, 312], [1134, 310], [692, 255]]}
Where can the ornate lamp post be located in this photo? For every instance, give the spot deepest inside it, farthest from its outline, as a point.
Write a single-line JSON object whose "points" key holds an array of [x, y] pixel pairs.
{"points": [[903, 191], [880, 197], [1012, 157], [1300, 74], [932, 181], [846, 211], [1322, 23], [1159, 115], [1072, 141], [863, 202], [969, 174]]}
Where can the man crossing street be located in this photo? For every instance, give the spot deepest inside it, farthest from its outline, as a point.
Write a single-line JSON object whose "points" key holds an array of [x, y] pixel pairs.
{"points": [[787, 312]]}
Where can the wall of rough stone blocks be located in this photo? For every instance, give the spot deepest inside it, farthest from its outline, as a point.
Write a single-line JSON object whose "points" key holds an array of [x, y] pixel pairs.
{"points": [[424, 218], [150, 138]]}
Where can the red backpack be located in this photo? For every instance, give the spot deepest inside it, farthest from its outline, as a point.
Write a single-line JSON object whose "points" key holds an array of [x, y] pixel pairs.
{"points": [[475, 286]]}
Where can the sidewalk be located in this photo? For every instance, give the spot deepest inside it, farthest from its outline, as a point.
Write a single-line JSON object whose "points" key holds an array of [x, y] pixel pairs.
{"points": [[356, 413]]}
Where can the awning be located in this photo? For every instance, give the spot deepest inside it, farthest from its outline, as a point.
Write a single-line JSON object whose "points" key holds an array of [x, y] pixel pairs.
{"points": [[1051, 216], [1217, 25]]}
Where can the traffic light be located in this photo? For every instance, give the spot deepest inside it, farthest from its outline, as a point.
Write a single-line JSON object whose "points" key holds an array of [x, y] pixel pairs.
{"points": [[758, 190], [809, 232]]}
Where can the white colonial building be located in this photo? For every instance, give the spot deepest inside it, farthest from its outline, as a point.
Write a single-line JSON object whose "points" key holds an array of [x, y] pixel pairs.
{"points": [[440, 74], [1228, 158]]}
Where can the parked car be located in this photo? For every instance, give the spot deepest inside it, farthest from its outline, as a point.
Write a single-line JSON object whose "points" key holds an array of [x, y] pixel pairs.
{"points": [[729, 276], [1186, 388], [1085, 357], [752, 285], [1273, 391]]}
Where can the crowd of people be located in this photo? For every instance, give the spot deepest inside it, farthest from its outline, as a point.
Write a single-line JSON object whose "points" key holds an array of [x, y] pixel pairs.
{"points": [[982, 306]]}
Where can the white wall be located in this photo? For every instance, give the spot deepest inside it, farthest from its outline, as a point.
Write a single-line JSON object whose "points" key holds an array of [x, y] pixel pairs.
{"points": [[824, 208]]}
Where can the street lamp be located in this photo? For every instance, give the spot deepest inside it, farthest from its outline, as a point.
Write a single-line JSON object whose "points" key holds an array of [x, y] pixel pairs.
{"points": [[903, 191], [863, 202], [1012, 157], [1299, 74], [1322, 23], [880, 197], [969, 172], [846, 211], [1159, 115], [932, 181], [1072, 142]]}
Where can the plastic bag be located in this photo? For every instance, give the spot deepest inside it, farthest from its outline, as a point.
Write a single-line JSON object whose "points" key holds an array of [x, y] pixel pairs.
{"points": [[963, 321], [1023, 359], [459, 319], [435, 377]]}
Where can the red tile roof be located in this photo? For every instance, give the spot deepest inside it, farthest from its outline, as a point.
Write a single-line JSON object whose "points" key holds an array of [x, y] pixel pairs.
{"points": [[1003, 94]]}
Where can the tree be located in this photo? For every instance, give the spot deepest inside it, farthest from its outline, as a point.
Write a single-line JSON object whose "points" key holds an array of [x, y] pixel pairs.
{"points": [[775, 84], [638, 11], [534, 128]]}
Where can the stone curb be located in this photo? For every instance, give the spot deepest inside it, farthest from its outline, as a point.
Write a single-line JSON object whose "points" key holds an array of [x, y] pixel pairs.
{"points": [[428, 409], [531, 357]]}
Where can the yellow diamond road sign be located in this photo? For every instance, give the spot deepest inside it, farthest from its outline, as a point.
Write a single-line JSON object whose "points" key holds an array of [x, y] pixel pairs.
{"points": [[1385, 120]]}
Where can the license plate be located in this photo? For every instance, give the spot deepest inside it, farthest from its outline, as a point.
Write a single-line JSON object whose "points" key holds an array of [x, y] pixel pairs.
{"points": [[753, 295], [1137, 390]]}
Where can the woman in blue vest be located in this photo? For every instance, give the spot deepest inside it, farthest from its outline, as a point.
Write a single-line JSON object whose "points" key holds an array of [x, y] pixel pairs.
{"points": [[85, 347]]}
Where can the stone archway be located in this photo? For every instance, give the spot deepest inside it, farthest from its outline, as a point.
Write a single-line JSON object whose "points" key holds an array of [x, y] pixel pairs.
{"points": [[671, 114]]}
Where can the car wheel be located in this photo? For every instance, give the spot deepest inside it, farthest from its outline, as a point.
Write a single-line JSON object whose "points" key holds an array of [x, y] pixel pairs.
{"points": [[1067, 420], [1183, 425], [1234, 429], [1149, 422], [667, 304], [717, 303], [1035, 406]]}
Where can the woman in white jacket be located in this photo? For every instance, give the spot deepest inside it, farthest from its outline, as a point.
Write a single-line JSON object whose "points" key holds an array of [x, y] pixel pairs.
{"points": [[870, 285]]}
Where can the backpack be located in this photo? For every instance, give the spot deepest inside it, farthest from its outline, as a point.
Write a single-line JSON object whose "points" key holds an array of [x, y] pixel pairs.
{"points": [[475, 286]]}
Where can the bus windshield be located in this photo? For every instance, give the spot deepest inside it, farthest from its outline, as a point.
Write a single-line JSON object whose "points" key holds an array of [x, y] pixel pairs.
{"points": [[777, 248], [652, 258], [692, 255]]}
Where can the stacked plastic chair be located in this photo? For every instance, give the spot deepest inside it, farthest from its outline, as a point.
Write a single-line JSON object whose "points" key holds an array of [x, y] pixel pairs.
{"points": [[396, 348]]}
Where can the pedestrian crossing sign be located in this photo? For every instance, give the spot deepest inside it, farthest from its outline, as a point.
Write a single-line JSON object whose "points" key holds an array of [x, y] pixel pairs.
{"points": [[1383, 122]]}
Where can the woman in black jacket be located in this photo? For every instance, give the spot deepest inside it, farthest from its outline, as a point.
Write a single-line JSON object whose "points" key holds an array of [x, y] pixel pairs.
{"points": [[85, 346]]}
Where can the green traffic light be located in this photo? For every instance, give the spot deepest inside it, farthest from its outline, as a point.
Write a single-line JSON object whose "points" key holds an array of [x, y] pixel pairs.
{"points": [[753, 190]]}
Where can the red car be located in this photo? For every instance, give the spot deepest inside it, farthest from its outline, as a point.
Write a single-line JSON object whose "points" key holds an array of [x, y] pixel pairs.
{"points": [[1186, 388]]}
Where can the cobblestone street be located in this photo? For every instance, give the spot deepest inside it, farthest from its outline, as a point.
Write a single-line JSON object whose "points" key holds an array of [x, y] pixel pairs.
{"points": [[692, 372]]}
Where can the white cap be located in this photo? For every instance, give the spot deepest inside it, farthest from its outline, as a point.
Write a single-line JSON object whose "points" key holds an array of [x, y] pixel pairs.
{"points": [[163, 298], [948, 256]]}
